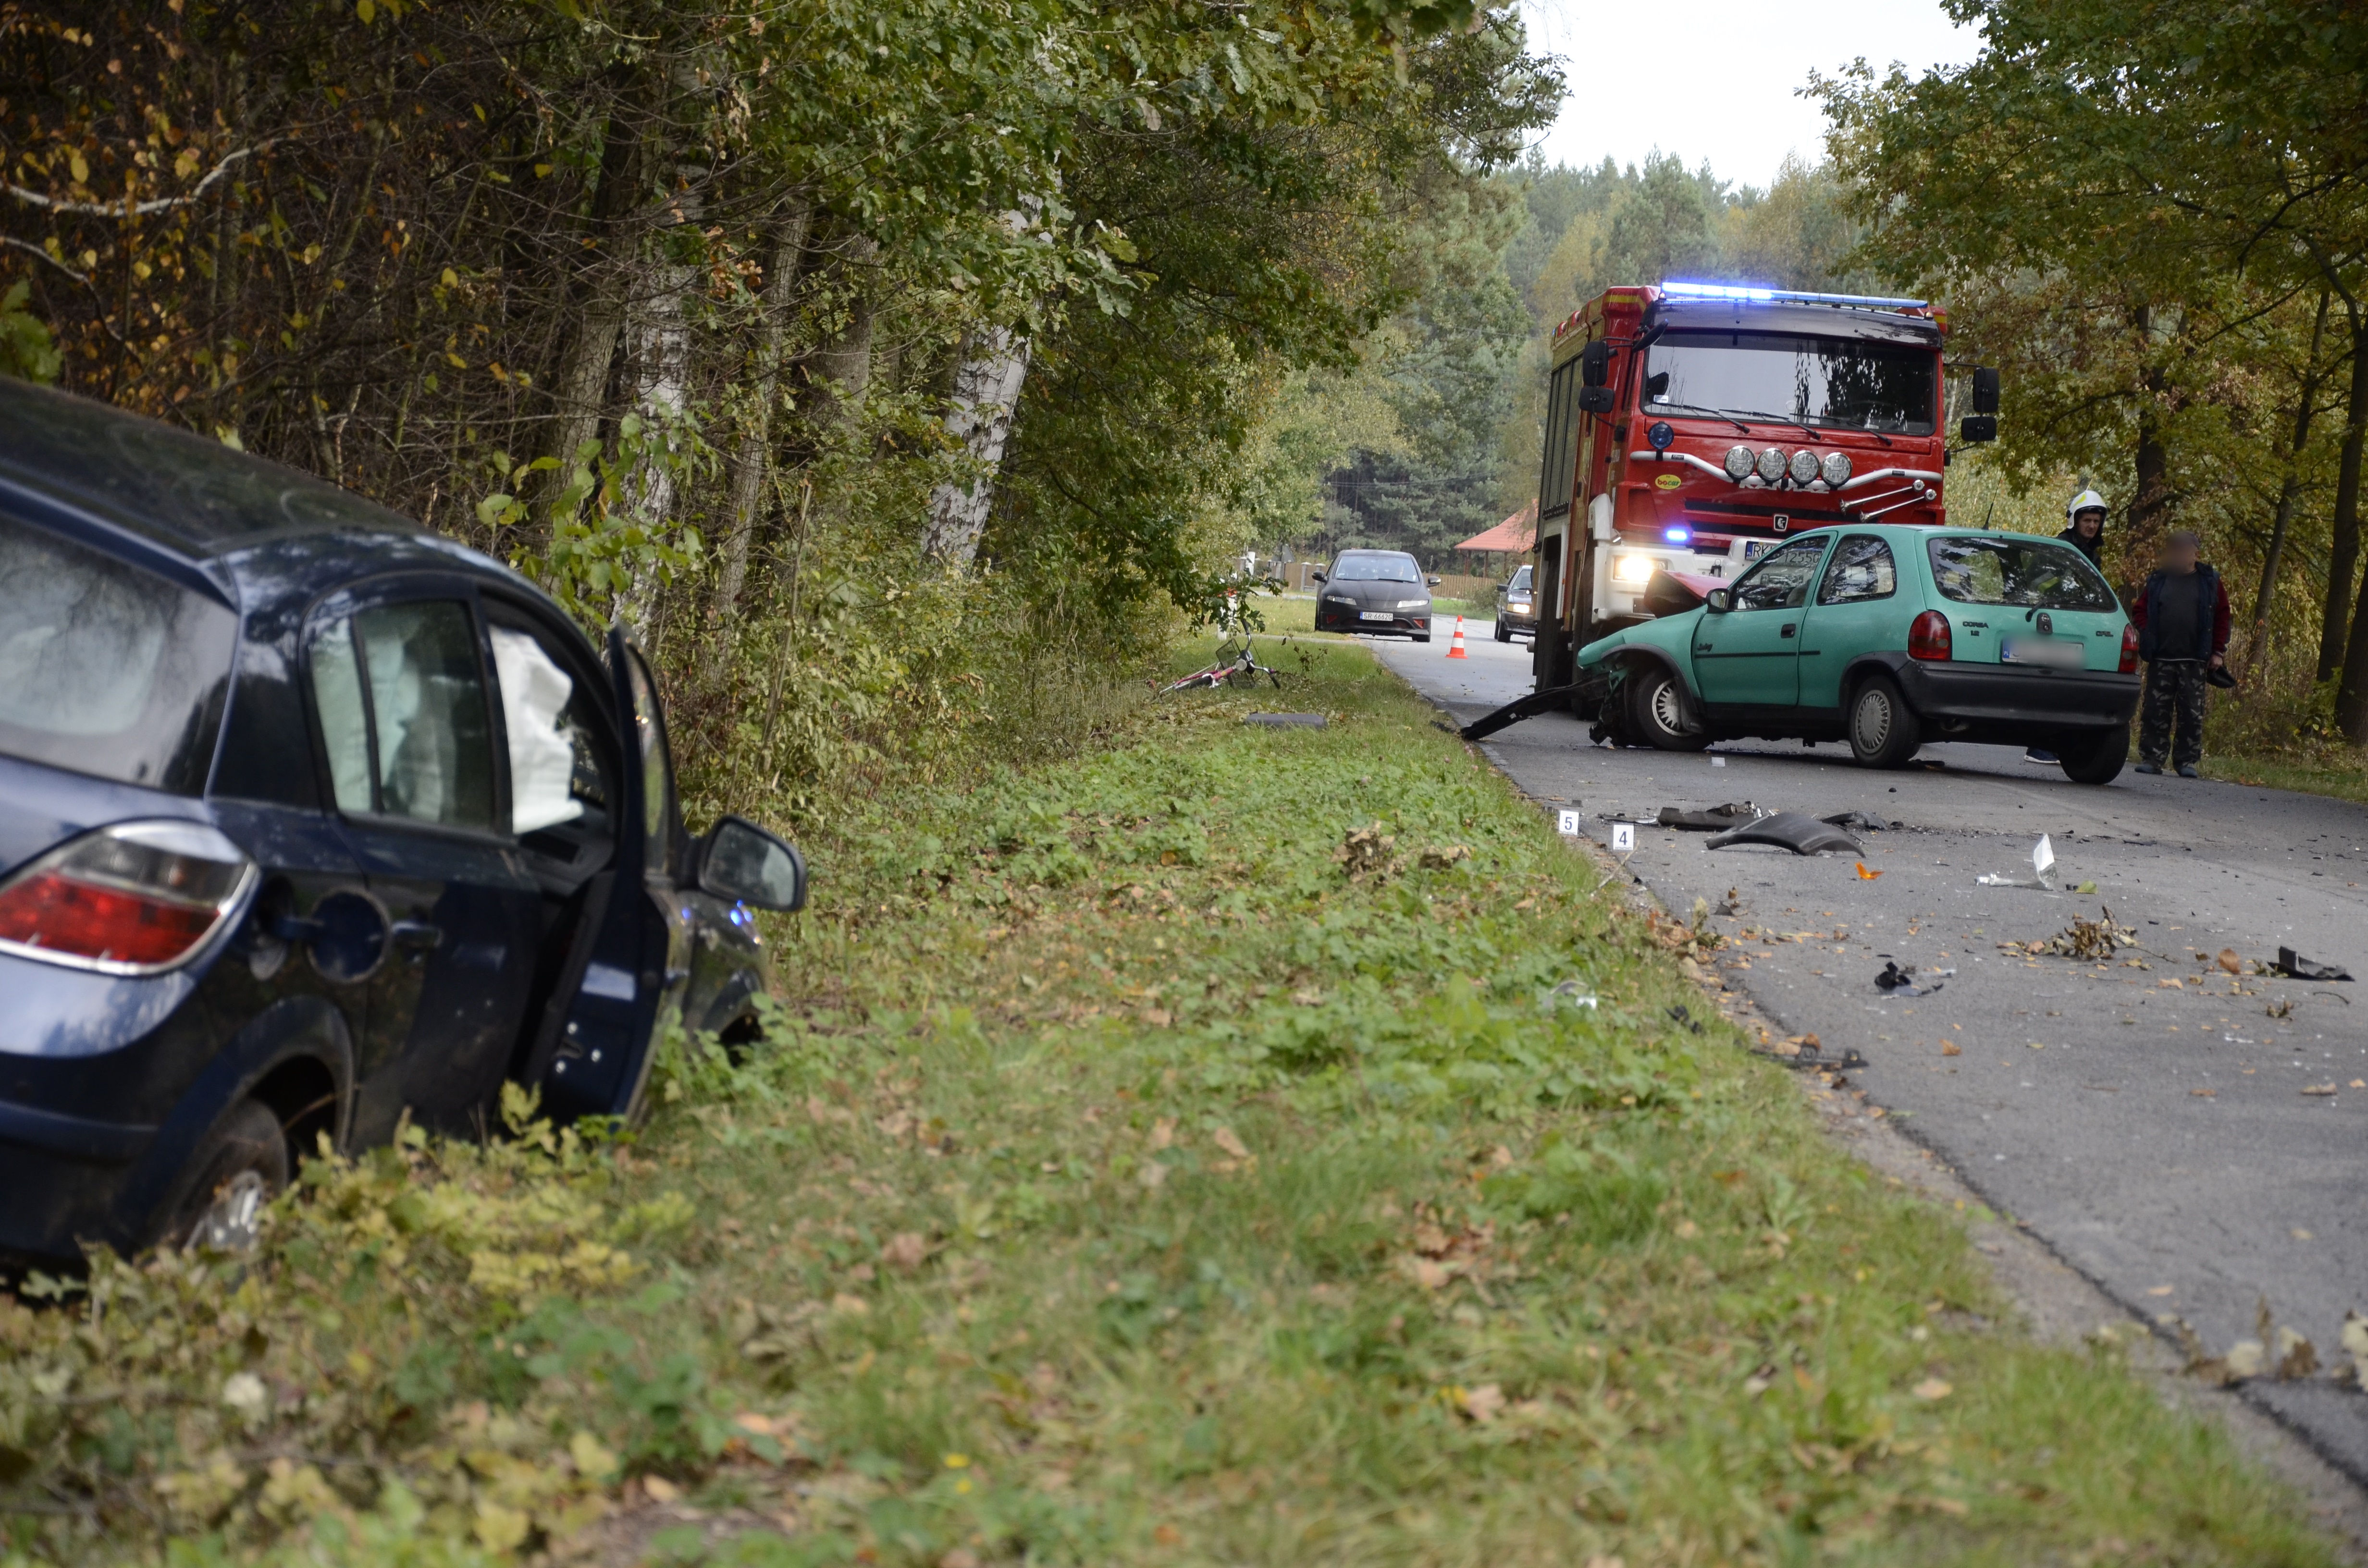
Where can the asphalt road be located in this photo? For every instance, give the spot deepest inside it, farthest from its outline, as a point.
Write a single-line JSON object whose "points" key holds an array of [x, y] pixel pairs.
{"points": [[2157, 1137]]}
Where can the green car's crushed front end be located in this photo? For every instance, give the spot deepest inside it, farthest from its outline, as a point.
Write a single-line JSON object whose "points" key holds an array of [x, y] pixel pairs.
{"points": [[1886, 637]]}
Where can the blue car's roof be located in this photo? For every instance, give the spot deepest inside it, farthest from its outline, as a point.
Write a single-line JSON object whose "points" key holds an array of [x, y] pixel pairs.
{"points": [[208, 503]]}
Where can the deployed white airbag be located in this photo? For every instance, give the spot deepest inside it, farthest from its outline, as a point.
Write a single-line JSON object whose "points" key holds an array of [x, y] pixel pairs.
{"points": [[543, 761]]}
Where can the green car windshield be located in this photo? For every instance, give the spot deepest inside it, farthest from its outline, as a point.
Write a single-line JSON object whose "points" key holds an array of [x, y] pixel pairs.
{"points": [[2028, 573]]}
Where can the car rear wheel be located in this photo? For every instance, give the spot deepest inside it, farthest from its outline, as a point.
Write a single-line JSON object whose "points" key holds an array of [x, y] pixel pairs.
{"points": [[241, 1165], [2095, 760], [1884, 730], [1658, 715]]}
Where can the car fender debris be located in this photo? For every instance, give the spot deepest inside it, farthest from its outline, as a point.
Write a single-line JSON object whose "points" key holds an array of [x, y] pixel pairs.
{"points": [[1791, 830], [1287, 721], [1710, 819], [1857, 822], [2293, 965]]}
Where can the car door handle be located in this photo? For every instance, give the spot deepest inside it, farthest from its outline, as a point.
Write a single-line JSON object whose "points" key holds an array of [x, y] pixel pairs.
{"points": [[418, 934], [1790, 627]]}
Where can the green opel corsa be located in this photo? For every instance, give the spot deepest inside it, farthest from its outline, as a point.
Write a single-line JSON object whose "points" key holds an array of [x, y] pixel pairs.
{"points": [[1886, 637]]}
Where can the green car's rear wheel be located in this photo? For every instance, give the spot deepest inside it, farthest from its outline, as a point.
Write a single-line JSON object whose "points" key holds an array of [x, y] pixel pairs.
{"points": [[1656, 713], [2095, 760], [1884, 730]]}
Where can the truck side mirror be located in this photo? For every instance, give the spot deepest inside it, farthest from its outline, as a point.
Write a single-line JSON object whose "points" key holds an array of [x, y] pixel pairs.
{"points": [[1595, 364], [1595, 399], [1986, 390], [1977, 427]]}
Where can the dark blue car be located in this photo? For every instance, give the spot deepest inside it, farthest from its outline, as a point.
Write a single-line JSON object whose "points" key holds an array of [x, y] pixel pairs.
{"points": [[311, 821]]}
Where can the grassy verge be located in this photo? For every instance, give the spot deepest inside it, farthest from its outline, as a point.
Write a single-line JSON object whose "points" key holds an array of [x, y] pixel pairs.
{"points": [[1130, 1177], [2340, 772]]}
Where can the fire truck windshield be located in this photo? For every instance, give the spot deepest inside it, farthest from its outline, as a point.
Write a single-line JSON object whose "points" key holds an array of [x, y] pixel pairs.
{"points": [[1840, 382]]}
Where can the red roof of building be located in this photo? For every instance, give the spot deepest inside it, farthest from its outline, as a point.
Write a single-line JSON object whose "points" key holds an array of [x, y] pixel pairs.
{"points": [[1516, 534]]}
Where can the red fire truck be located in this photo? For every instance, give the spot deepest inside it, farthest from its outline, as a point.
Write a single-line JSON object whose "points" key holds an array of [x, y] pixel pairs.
{"points": [[1693, 426]]}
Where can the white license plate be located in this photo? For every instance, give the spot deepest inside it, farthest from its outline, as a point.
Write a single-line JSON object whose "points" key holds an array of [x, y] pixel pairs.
{"points": [[1753, 549], [1376, 615], [2053, 652]]}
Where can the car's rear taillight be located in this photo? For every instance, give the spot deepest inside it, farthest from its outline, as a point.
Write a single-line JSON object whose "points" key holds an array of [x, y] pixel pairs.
{"points": [[130, 899], [2129, 650], [1928, 638]]}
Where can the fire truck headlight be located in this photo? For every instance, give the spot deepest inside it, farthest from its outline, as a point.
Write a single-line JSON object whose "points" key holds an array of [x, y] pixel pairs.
{"points": [[1804, 466], [1634, 571], [1837, 467], [1772, 464], [1739, 462]]}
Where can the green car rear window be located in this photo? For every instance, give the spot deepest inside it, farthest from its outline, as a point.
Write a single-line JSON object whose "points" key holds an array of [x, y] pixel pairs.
{"points": [[2018, 570]]}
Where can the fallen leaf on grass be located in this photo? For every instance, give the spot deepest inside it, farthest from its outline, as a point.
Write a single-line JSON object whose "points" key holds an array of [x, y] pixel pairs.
{"points": [[906, 1250], [660, 1489], [1481, 1403], [1932, 1388], [1154, 1173], [1307, 996], [1230, 1141], [849, 1306], [1163, 1132]]}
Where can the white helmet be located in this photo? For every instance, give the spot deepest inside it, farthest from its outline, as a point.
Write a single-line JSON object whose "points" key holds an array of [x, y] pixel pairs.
{"points": [[2087, 501]]}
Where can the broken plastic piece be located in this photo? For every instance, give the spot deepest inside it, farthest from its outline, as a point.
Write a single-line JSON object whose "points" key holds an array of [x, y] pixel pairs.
{"points": [[2043, 867], [1710, 819], [1286, 721], [1791, 830], [1902, 982], [2300, 968], [1857, 822]]}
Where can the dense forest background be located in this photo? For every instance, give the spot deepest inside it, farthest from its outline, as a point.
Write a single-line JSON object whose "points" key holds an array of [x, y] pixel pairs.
{"points": [[895, 367]]}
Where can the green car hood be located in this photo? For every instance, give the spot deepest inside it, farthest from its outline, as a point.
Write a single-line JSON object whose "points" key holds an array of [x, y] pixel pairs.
{"points": [[1671, 634]]}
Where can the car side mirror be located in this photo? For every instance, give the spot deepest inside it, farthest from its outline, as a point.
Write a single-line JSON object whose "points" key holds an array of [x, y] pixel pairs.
{"points": [[742, 862], [1977, 427], [1718, 601], [1433, 582], [1315, 577], [1595, 364], [1986, 389]]}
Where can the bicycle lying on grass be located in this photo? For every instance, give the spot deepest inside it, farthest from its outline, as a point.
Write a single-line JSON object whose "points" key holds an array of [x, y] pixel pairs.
{"points": [[1235, 666]]}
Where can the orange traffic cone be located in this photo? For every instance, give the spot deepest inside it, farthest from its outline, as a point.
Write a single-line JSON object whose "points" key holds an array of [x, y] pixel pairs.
{"points": [[1455, 649]]}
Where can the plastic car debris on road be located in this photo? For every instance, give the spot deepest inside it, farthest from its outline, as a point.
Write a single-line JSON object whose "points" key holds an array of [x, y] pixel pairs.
{"points": [[1710, 819], [1808, 1050], [1902, 982], [2294, 965], [1857, 822], [2043, 870], [1791, 830]]}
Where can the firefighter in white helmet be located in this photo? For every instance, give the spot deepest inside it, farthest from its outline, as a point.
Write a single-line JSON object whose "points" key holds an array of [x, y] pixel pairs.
{"points": [[2084, 531], [2084, 526]]}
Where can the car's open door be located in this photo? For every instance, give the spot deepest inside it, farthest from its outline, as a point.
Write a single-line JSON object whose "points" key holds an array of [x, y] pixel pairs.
{"points": [[631, 955]]}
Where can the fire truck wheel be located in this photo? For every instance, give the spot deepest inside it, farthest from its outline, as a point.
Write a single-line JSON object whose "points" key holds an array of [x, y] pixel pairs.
{"points": [[1656, 713], [1884, 730]]}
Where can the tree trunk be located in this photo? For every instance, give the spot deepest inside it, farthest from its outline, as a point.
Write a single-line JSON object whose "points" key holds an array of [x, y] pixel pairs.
{"points": [[2290, 492], [580, 391], [2352, 697], [660, 356], [752, 458], [2150, 503], [844, 364], [985, 398]]}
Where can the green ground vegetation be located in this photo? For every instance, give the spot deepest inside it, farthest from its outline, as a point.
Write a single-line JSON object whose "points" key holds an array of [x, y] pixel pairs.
{"points": [[1224, 1145]]}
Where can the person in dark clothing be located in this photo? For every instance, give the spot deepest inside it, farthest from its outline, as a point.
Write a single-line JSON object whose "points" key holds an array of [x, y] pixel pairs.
{"points": [[2084, 531], [2084, 526], [2181, 615]]}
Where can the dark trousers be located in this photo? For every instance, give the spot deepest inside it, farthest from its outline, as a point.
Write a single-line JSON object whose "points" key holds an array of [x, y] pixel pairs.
{"points": [[2174, 694]]}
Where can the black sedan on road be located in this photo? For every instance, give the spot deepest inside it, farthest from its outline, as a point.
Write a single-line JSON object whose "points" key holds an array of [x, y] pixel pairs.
{"points": [[1374, 591], [1517, 606], [311, 820]]}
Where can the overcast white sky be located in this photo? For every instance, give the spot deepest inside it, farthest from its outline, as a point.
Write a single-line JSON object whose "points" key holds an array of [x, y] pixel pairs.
{"points": [[1717, 79]]}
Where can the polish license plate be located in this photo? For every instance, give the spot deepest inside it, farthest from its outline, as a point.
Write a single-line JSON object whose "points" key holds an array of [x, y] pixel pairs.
{"points": [[2051, 652], [1753, 549], [1376, 615]]}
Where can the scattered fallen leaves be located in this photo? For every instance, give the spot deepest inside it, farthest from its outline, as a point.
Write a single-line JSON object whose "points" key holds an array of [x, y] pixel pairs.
{"points": [[1436, 859], [1367, 851], [905, 1251]]}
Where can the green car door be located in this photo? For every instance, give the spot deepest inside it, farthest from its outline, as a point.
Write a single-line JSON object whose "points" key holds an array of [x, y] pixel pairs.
{"points": [[1857, 609], [1751, 655]]}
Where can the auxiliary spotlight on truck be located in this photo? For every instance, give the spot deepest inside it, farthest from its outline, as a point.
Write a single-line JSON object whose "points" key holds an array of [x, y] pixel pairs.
{"points": [[1692, 427]]}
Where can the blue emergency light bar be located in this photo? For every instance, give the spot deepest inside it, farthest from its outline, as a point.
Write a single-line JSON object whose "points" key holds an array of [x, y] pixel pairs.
{"points": [[1761, 296], [1678, 536]]}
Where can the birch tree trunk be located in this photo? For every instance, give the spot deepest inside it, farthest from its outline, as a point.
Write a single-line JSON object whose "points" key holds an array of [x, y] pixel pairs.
{"points": [[659, 351], [580, 391], [985, 398], [752, 458]]}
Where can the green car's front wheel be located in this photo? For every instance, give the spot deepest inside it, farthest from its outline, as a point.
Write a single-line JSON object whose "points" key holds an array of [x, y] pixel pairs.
{"points": [[1884, 730], [1656, 713]]}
